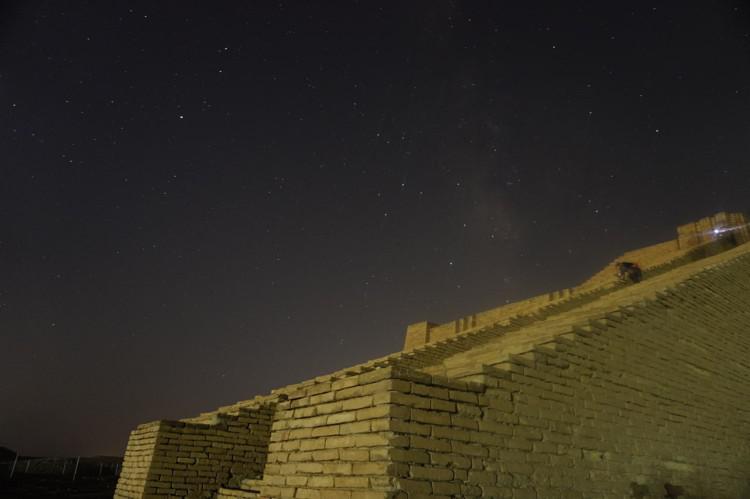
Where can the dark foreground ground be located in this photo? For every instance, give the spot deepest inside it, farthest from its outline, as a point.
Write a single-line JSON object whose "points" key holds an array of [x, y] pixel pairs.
{"points": [[32, 486]]}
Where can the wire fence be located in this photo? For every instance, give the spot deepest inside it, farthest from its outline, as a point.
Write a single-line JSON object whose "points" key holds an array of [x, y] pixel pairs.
{"points": [[70, 467]]}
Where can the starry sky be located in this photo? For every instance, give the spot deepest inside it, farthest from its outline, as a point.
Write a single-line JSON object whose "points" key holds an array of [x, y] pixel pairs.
{"points": [[201, 201]]}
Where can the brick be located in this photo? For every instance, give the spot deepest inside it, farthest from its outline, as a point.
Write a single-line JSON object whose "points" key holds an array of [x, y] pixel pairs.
{"points": [[430, 417], [338, 442], [414, 486], [431, 473], [370, 440], [354, 454], [357, 403], [341, 417], [351, 482], [337, 468], [409, 456], [325, 455], [309, 468]]}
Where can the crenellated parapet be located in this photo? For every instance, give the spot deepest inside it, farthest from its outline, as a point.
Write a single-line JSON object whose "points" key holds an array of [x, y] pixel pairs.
{"points": [[694, 241]]}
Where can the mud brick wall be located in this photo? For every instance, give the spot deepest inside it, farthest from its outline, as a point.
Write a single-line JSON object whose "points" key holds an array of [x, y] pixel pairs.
{"points": [[137, 460], [647, 399], [656, 396], [331, 440], [185, 459], [439, 449], [421, 333]]}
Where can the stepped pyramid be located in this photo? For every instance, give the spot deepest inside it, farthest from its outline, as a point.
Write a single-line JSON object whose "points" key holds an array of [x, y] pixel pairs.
{"points": [[609, 389]]}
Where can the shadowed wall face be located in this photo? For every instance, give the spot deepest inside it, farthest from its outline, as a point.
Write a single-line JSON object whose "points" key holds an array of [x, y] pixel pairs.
{"points": [[179, 459]]}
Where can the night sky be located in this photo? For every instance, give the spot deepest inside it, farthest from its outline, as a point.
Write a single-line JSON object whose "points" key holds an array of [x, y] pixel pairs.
{"points": [[201, 201]]}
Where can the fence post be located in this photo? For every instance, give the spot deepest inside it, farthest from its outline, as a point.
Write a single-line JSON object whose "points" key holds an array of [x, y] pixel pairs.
{"points": [[65, 464], [75, 470], [13, 468], [28, 462], [101, 465], [117, 468]]}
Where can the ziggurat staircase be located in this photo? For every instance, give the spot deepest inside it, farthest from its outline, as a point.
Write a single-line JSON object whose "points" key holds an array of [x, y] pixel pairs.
{"points": [[607, 390]]}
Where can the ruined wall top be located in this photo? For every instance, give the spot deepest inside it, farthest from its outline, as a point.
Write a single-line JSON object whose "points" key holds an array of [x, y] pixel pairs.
{"points": [[730, 227]]}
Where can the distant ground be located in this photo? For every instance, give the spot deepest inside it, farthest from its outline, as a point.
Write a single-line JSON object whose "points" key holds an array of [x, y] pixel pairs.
{"points": [[33, 486], [47, 477]]}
